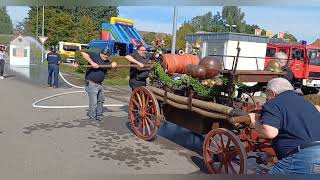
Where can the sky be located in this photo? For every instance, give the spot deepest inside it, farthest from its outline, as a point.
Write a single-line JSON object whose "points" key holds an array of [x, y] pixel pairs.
{"points": [[301, 20]]}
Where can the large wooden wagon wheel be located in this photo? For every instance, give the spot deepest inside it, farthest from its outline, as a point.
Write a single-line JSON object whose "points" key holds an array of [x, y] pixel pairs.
{"points": [[224, 153], [144, 113]]}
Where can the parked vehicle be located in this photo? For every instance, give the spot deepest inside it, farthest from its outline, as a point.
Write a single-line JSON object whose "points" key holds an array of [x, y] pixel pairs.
{"points": [[68, 49], [304, 62]]}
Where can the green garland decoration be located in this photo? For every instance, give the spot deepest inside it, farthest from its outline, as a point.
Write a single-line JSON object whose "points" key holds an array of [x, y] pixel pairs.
{"points": [[187, 82]]}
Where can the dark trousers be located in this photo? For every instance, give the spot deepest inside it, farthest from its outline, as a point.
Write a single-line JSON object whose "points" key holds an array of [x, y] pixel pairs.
{"points": [[2, 62], [134, 83], [53, 70]]}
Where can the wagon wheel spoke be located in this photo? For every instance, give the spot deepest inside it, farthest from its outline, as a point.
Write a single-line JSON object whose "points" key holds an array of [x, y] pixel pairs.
{"points": [[210, 149], [225, 167], [215, 142], [136, 103], [139, 99], [151, 106], [149, 114], [228, 143], [231, 167], [222, 145], [150, 122], [147, 125], [148, 102], [143, 99]]}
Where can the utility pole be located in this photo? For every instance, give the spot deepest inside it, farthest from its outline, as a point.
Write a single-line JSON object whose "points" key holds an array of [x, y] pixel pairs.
{"points": [[42, 32], [174, 30], [37, 30]]}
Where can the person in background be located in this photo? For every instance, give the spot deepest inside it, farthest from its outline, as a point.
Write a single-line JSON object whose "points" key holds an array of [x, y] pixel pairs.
{"points": [[54, 60], [94, 77], [140, 57], [293, 124], [282, 58], [2, 61]]}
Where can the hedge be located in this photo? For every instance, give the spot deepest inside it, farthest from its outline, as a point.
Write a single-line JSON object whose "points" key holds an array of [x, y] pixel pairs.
{"points": [[119, 73]]}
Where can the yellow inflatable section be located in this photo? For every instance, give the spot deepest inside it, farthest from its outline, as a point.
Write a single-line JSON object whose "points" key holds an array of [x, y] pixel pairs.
{"points": [[113, 20]]}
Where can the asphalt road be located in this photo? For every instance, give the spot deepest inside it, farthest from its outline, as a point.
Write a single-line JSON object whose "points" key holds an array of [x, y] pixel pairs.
{"points": [[37, 143]]}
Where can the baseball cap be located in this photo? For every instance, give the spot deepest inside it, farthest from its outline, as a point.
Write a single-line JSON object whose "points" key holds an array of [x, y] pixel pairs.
{"points": [[106, 51]]}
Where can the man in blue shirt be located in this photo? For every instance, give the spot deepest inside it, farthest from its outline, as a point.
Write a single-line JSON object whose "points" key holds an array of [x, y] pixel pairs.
{"points": [[53, 59], [293, 125], [94, 78]]}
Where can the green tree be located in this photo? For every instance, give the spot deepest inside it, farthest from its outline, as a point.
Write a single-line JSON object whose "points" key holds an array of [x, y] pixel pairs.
{"points": [[76, 24], [168, 41], [232, 15], [58, 25], [185, 29], [5, 22], [88, 31], [149, 37], [288, 36], [203, 23], [250, 29]]}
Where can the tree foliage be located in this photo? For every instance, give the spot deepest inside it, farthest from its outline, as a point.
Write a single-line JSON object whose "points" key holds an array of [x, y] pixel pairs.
{"points": [[208, 22], [288, 36], [232, 15], [149, 37], [5, 22], [185, 29], [75, 24]]}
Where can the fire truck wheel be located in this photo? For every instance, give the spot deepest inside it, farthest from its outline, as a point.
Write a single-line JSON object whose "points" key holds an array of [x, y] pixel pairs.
{"points": [[309, 90]]}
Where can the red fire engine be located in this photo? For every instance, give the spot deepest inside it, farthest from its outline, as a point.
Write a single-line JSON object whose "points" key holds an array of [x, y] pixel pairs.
{"points": [[304, 62]]}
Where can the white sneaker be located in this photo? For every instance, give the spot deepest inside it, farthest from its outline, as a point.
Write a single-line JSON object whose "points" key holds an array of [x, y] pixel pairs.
{"points": [[1, 77]]}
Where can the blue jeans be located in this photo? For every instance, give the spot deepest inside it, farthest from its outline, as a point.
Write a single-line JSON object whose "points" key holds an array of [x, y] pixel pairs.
{"points": [[307, 161], [53, 70], [96, 99]]}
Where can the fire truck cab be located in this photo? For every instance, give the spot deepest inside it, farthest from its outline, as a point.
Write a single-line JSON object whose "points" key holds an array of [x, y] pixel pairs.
{"points": [[304, 62]]}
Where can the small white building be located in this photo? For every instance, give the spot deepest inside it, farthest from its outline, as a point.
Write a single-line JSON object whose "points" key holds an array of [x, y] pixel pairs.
{"points": [[20, 52], [225, 44]]}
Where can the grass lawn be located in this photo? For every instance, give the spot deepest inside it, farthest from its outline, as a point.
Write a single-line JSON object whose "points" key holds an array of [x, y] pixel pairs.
{"points": [[111, 82]]}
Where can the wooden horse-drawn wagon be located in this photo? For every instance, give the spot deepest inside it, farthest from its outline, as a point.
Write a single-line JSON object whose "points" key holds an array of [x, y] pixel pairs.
{"points": [[221, 117]]}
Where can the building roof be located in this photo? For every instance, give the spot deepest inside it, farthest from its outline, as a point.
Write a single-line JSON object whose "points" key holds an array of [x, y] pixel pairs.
{"points": [[225, 36], [20, 41], [316, 43]]}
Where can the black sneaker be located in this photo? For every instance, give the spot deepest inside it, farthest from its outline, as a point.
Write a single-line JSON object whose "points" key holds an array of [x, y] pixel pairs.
{"points": [[99, 118], [94, 122]]}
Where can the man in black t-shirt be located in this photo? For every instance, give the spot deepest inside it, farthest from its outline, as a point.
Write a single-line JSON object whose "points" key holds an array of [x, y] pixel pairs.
{"points": [[94, 78], [140, 57], [293, 124]]}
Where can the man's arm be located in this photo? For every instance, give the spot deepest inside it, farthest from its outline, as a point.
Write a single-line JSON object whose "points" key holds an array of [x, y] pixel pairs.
{"points": [[59, 61], [87, 57], [131, 59], [264, 130]]}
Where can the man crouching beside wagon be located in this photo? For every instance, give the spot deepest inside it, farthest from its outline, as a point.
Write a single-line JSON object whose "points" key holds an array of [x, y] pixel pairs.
{"points": [[293, 125]]}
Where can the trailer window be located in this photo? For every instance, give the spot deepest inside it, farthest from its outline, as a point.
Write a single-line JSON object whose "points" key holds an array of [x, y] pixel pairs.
{"points": [[70, 48], [271, 52]]}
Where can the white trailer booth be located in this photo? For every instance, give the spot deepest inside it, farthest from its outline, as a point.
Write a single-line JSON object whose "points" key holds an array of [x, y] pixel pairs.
{"points": [[225, 44]]}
